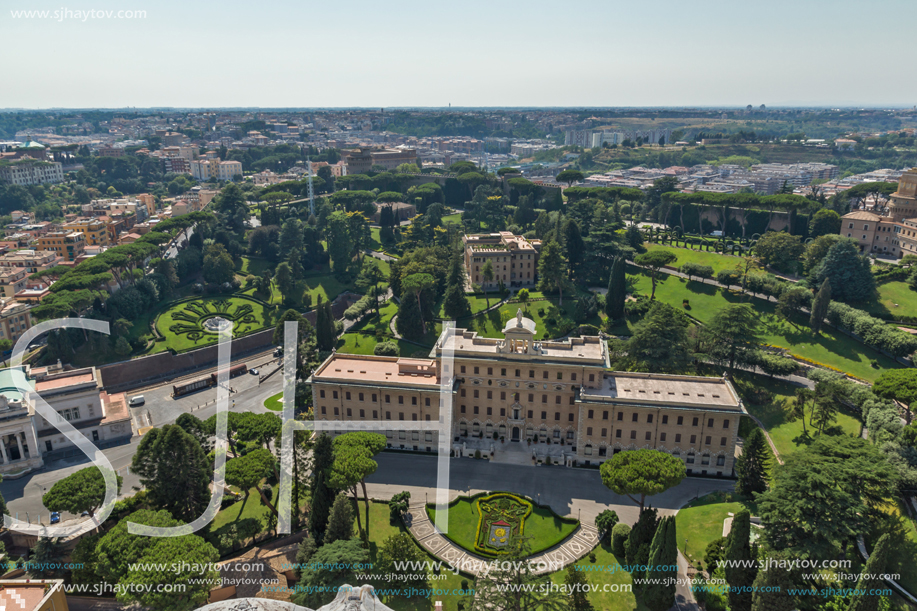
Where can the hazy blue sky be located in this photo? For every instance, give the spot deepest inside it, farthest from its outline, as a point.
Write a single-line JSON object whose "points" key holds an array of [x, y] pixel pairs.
{"points": [[273, 53]]}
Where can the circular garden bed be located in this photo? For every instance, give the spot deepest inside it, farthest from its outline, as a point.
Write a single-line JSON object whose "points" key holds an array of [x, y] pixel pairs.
{"points": [[485, 523], [190, 324]]}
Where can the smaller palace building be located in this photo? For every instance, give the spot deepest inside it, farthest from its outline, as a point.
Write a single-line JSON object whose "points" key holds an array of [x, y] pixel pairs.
{"points": [[514, 259], [529, 391]]}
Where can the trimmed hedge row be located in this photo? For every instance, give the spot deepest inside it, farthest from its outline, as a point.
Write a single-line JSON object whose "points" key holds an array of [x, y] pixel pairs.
{"points": [[871, 330]]}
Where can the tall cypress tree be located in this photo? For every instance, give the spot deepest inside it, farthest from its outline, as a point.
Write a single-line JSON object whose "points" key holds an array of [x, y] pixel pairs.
{"points": [[772, 587], [322, 494], [659, 594], [340, 522], [638, 543], [820, 306], [324, 325], [617, 290], [751, 467], [738, 550], [874, 566], [455, 304]]}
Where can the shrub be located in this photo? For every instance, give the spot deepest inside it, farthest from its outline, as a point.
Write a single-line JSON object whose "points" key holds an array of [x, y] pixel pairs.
{"points": [[728, 277], [619, 535], [695, 270], [477, 453], [386, 349], [872, 331]]}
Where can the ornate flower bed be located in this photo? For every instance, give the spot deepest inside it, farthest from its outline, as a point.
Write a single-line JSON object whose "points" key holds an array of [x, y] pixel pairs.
{"points": [[194, 323]]}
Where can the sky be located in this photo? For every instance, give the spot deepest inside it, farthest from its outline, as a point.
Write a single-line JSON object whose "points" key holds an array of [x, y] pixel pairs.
{"points": [[355, 53]]}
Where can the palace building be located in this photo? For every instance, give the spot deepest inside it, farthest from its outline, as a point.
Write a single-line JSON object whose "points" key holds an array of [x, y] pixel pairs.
{"points": [[532, 391]]}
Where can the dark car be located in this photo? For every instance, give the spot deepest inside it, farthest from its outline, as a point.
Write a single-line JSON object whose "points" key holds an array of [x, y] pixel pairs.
{"points": [[55, 517]]}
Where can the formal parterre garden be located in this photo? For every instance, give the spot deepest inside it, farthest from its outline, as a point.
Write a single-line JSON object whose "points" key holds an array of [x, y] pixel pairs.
{"points": [[190, 323], [483, 524]]}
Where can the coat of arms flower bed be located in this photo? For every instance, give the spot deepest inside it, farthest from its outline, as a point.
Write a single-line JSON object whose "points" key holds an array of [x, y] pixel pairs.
{"points": [[200, 317], [502, 519]]}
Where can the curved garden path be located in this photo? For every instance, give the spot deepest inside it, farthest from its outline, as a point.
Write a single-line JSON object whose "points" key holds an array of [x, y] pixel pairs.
{"points": [[581, 542]]}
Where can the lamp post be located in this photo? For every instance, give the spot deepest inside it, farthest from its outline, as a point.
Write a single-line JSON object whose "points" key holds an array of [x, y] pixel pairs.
{"points": [[686, 547]]}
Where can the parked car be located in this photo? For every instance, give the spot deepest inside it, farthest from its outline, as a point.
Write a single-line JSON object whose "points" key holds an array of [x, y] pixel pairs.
{"points": [[254, 372], [138, 400], [55, 517]]}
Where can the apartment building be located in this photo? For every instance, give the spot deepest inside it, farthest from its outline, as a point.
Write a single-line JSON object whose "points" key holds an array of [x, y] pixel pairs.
{"points": [[176, 165], [12, 280], [514, 258], [520, 389], [29, 171], [69, 245], [361, 160], [29, 260], [94, 231], [229, 170]]}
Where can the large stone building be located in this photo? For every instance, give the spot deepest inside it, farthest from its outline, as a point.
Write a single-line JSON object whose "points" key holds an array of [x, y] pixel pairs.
{"points": [[893, 233], [360, 161], [514, 259], [535, 392], [28, 171]]}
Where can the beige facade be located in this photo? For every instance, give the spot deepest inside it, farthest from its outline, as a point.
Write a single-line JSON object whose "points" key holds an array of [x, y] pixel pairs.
{"points": [[528, 391], [360, 161], [514, 259], [893, 234]]}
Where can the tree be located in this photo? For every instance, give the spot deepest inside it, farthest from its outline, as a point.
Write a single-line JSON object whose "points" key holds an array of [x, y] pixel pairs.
{"points": [[333, 563], [633, 237], [660, 341], [772, 587], [655, 260], [642, 472], [734, 335], [416, 284], [849, 273], [322, 494], [175, 471], [79, 492], [617, 290], [605, 522], [820, 306], [513, 586], [637, 548], [779, 250], [218, 267], [487, 274], [353, 463], [898, 385], [714, 554], [739, 574], [791, 303], [875, 567], [824, 222], [523, 297], [619, 535], [246, 472], [340, 522], [552, 266], [157, 566], [325, 334], [337, 232], [578, 587], [751, 467], [46, 559], [662, 570], [283, 278], [574, 247], [398, 505], [824, 412], [400, 549], [569, 177]]}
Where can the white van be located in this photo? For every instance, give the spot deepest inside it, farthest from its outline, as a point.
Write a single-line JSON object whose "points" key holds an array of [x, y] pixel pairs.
{"points": [[135, 401]]}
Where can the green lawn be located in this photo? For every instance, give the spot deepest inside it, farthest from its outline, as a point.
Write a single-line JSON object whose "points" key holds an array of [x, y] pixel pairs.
{"points": [[701, 522], [274, 402], [253, 266], [491, 324], [685, 255], [613, 573], [896, 299], [375, 242], [543, 527], [786, 433], [246, 508], [170, 322], [453, 218], [325, 285], [478, 303], [831, 348]]}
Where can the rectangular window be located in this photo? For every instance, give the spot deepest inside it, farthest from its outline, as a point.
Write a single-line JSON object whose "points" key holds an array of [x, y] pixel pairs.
{"points": [[503, 395], [604, 432], [633, 434], [605, 415], [677, 437], [518, 373], [665, 420], [462, 409], [681, 420], [531, 373], [725, 424], [592, 377], [693, 438], [502, 412], [570, 417], [323, 409], [633, 417], [707, 442], [544, 415], [662, 437], [710, 423], [589, 430], [334, 394], [544, 398], [477, 394], [503, 372], [544, 375], [618, 433], [490, 371], [649, 436], [360, 396], [388, 398], [388, 415], [400, 399], [374, 397], [336, 412], [414, 417], [530, 413], [649, 418], [375, 414], [556, 415], [490, 394], [490, 411], [413, 400], [573, 377], [462, 393], [463, 369], [557, 400], [477, 370], [560, 375], [722, 441], [695, 422], [400, 415], [476, 410], [427, 402], [620, 416], [590, 416], [321, 393], [531, 398], [362, 414]]}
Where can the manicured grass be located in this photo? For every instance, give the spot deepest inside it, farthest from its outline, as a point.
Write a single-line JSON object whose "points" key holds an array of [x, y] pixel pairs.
{"points": [[830, 348], [491, 324], [685, 255], [478, 303], [613, 573], [543, 527], [253, 266], [375, 242], [453, 218], [358, 343], [787, 433], [701, 522], [246, 508], [325, 285], [180, 341], [896, 299], [274, 402]]}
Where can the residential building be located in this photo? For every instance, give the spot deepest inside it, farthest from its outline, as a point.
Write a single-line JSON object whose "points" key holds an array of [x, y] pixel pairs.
{"points": [[176, 165], [514, 258], [67, 244], [360, 161], [95, 232], [229, 170], [15, 319], [30, 260], [28, 171], [149, 201], [12, 280], [558, 392]]}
